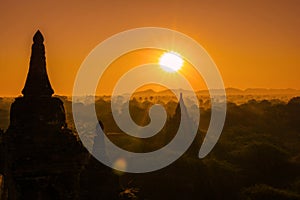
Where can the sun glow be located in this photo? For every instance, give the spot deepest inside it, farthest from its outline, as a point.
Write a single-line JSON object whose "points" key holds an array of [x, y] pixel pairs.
{"points": [[171, 61]]}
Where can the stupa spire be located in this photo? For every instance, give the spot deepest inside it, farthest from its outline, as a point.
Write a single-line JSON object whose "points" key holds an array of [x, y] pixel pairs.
{"points": [[181, 109], [37, 82]]}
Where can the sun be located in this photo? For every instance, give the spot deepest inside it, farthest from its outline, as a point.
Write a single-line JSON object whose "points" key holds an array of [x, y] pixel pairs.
{"points": [[171, 61]]}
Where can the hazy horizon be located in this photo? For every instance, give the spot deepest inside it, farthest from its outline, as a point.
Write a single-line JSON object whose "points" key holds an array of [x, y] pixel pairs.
{"points": [[156, 90]]}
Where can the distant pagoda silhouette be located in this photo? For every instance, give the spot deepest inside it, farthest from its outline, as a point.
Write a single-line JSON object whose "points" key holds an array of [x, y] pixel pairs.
{"points": [[181, 117], [43, 158]]}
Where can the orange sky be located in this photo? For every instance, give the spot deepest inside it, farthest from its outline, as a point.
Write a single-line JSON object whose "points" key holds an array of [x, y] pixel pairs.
{"points": [[139, 57], [254, 43]]}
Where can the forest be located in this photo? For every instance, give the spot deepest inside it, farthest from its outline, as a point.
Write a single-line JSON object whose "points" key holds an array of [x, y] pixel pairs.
{"points": [[256, 157]]}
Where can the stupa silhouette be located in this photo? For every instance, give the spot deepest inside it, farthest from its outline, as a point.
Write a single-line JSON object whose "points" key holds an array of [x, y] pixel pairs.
{"points": [[43, 158], [182, 118], [37, 83]]}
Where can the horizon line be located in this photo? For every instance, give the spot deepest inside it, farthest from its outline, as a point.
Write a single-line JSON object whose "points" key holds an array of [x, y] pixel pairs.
{"points": [[163, 90]]}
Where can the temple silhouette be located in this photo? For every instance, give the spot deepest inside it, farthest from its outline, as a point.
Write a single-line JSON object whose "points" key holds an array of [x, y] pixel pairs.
{"points": [[43, 159], [182, 118]]}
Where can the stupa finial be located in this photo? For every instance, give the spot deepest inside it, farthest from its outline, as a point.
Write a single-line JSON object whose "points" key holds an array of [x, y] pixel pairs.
{"points": [[38, 37]]}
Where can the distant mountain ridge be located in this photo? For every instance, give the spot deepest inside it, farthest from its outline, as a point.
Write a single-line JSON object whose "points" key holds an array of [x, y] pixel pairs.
{"points": [[229, 91]]}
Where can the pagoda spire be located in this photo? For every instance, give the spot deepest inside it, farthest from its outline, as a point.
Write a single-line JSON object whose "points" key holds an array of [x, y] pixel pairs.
{"points": [[184, 109], [37, 82]]}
